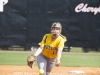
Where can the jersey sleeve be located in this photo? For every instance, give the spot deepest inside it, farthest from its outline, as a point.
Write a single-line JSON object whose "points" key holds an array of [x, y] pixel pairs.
{"points": [[61, 43], [43, 40]]}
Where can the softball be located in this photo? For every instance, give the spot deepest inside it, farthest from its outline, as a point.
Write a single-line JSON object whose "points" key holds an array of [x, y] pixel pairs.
{"points": [[41, 71]]}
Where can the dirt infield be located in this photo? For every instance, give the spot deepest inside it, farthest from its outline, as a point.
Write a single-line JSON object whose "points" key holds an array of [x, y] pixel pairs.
{"points": [[25, 70]]}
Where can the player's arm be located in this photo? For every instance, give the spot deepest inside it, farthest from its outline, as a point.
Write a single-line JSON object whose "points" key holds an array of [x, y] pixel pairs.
{"points": [[60, 49], [59, 53], [31, 59], [39, 50]]}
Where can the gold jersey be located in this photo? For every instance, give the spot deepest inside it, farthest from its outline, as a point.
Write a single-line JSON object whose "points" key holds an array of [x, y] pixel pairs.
{"points": [[50, 47]]}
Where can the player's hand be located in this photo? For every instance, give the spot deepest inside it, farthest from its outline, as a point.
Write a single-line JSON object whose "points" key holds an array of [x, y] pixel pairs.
{"points": [[30, 60], [57, 63]]}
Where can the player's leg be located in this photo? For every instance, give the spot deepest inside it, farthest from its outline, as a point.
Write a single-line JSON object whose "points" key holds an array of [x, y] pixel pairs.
{"points": [[41, 61], [50, 65]]}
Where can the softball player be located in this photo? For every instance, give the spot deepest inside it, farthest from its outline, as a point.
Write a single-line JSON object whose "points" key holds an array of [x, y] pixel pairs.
{"points": [[51, 46]]}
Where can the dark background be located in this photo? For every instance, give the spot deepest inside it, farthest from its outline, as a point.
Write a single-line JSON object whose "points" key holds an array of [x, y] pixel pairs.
{"points": [[24, 22]]}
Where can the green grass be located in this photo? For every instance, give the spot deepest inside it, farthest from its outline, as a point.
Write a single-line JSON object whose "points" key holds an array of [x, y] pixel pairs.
{"points": [[69, 59], [81, 59], [13, 58]]}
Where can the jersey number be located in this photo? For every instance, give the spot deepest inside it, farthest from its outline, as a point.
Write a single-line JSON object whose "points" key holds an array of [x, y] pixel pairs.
{"points": [[54, 52]]}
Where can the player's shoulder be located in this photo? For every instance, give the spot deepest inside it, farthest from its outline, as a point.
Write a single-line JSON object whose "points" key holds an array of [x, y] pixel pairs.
{"points": [[61, 38]]}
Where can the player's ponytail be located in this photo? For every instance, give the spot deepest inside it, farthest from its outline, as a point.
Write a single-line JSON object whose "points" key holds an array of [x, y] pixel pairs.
{"points": [[63, 37]]}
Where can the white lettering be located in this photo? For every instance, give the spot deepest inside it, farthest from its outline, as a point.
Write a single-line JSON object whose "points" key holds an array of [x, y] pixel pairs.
{"points": [[80, 6], [2, 3], [84, 8]]}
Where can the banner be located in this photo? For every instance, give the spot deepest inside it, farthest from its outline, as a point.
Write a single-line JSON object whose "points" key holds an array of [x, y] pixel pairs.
{"points": [[25, 22]]}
